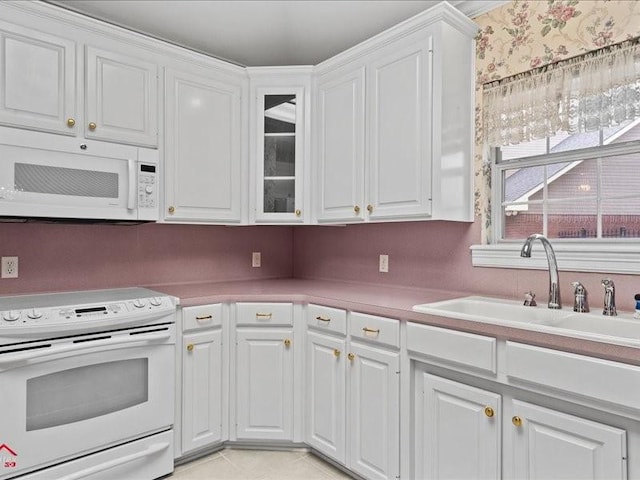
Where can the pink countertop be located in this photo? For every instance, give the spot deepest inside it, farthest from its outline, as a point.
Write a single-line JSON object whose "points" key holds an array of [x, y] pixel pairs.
{"points": [[393, 302]]}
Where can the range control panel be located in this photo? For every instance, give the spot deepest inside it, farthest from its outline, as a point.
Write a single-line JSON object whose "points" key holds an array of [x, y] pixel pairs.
{"points": [[83, 313]]}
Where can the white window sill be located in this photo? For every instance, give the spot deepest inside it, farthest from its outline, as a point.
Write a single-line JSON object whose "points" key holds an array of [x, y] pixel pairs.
{"points": [[622, 257]]}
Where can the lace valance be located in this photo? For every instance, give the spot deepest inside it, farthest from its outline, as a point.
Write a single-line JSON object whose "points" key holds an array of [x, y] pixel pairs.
{"points": [[596, 90]]}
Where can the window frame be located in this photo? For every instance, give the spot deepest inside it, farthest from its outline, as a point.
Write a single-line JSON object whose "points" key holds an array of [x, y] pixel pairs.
{"points": [[606, 255]]}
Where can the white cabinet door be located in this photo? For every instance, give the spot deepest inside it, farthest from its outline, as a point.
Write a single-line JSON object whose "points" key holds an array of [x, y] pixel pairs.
{"points": [[340, 147], [459, 431], [264, 384], [374, 445], [326, 402], [121, 98], [549, 444], [38, 81], [201, 389], [399, 113], [280, 154], [203, 156]]}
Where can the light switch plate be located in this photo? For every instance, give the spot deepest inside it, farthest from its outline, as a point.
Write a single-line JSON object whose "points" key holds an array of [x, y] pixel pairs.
{"points": [[256, 259], [384, 263]]}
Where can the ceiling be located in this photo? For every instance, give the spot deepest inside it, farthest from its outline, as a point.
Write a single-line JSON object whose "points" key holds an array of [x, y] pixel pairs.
{"points": [[262, 32]]}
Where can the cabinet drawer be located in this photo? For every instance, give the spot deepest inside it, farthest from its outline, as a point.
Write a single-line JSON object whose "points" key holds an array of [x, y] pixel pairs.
{"points": [[327, 319], [608, 381], [264, 314], [376, 329], [201, 316], [450, 346]]}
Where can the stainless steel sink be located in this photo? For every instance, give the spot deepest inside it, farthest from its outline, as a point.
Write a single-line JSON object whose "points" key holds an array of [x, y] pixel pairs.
{"points": [[622, 330]]}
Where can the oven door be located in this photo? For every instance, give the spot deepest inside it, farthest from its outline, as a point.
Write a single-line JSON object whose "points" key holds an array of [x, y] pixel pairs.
{"points": [[69, 399]]}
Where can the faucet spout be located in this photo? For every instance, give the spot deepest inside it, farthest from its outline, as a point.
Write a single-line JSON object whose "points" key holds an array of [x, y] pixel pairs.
{"points": [[554, 283]]}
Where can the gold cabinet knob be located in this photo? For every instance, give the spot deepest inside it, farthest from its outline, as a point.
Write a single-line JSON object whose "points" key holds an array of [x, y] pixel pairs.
{"points": [[356, 209], [190, 347], [489, 412], [370, 208], [336, 353], [70, 122], [172, 210], [287, 342], [298, 212], [517, 421], [351, 356], [92, 126]]}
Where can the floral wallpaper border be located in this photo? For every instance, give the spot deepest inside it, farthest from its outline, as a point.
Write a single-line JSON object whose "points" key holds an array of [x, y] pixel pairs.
{"points": [[526, 34]]}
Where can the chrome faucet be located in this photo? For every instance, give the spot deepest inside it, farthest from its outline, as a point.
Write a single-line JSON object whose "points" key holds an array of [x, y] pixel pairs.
{"points": [[609, 298], [554, 287], [580, 303]]}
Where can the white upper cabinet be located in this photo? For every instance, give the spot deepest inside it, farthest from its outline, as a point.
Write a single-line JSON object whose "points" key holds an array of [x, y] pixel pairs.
{"points": [[38, 81], [340, 146], [416, 159], [203, 155], [279, 144], [70, 87], [121, 98]]}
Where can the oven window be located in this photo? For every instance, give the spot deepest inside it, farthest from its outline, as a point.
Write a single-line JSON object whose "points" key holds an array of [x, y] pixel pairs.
{"points": [[86, 392]]}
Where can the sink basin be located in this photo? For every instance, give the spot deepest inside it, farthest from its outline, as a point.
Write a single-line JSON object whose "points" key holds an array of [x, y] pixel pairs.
{"points": [[599, 324], [621, 330], [491, 310]]}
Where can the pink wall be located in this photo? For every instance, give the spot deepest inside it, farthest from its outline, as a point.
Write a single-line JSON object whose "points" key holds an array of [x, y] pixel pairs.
{"points": [[432, 255], [54, 257]]}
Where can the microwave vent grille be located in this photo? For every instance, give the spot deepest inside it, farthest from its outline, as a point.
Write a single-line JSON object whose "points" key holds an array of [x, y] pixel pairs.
{"points": [[65, 181]]}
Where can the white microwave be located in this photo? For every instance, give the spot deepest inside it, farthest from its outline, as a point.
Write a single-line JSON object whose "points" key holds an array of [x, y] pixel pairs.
{"points": [[54, 177]]}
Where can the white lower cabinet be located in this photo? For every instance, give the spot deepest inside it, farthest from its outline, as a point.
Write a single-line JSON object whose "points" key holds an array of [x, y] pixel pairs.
{"points": [[548, 444], [459, 434], [264, 384], [326, 394], [374, 413], [202, 389], [353, 393]]}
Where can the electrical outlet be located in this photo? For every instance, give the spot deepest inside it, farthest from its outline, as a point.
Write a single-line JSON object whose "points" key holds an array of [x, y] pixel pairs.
{"points": [[9, 267], [256, 259], [384, 263]]}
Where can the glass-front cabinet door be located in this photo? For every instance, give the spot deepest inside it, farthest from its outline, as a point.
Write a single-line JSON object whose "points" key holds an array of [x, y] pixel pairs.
{"points": [[280, 154]]}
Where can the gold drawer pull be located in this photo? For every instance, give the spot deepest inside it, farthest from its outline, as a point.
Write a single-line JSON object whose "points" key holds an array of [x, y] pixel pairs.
{"points": [[370, 208], [351, 356], [371, 330], [172, 210], [517, 421], [489, 412], [287, 342], [264, 315], [356, 209], [206, 317], [323, 319], [190, 347], [298, 212], [92, 126], [70, 122], [336, 353]]}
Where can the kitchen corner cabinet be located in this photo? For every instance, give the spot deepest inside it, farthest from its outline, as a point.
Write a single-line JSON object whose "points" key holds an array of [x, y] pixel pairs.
{"points": [[394, 123], [39, 90], [279, 144], [265, 349], [357, 427], [204, 154]]}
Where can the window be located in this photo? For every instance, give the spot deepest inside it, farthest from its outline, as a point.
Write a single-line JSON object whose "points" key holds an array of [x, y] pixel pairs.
{"points": [[564, 145], [580, 186]]}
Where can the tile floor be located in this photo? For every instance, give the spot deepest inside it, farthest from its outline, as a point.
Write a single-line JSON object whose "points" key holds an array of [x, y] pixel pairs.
{"points": [[240, 464]]}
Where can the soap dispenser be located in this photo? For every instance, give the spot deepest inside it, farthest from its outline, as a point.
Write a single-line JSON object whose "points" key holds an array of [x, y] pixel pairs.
{"points": [[580, 303]]}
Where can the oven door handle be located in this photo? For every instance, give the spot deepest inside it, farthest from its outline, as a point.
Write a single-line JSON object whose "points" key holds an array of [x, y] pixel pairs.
{"points": [[87, 472], [70, 350]]}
